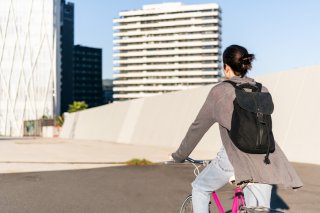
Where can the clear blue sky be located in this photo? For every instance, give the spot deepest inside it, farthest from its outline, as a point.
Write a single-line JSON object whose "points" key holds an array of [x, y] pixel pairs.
{"points": [[283, 34]]}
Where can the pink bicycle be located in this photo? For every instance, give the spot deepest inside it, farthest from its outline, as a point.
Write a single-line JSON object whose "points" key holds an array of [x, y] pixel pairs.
{"points": [[238, 205]]}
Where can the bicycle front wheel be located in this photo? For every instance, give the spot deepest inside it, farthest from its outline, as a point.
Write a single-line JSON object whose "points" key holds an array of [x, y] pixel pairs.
{"points": [[186, 206]]}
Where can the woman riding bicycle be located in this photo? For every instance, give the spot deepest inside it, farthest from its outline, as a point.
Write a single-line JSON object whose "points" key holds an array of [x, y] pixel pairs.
{"points": [[218, 108]]}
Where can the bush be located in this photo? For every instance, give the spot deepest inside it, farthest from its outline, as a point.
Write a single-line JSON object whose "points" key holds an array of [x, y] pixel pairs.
{"points": [[138, 162], [77, 106]]}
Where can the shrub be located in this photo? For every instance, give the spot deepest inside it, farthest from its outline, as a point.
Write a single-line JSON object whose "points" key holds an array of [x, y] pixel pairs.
{"points": [[138, 162]]}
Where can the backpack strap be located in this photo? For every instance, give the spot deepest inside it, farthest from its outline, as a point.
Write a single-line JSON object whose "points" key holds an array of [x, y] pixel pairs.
{"points": [[234, 84], [254, 88], [259, 85]]}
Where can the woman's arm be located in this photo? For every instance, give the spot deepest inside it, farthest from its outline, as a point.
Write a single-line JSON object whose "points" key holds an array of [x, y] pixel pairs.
{"points": [[204, 120]]}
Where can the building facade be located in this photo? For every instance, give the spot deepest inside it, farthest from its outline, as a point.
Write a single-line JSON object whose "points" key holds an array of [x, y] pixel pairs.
{"points": [[107, 88], [166, 47], [87, 65], [29, 69], [67, 42]]}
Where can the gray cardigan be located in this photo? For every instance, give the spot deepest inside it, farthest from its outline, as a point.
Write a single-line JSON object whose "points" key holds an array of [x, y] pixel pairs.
{"points": [[218, 107]]}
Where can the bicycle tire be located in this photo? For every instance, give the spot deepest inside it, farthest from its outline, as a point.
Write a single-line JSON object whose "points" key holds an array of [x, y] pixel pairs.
{"points": [[186, 206]]}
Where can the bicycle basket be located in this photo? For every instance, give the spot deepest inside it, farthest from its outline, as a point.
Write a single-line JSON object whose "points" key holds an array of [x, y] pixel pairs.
{"points": [[258, 210]]}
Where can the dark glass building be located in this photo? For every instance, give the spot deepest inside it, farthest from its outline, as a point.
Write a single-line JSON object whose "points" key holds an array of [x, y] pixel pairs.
{"points": [[66, 39], [107, 88], [87, 67]]}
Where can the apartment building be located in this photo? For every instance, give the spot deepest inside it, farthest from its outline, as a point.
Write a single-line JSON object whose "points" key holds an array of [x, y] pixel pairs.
{"points": [[166, 47]]}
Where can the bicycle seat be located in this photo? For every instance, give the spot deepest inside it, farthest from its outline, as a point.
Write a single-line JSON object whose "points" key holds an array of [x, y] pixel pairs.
{"points": [[232, 180]]}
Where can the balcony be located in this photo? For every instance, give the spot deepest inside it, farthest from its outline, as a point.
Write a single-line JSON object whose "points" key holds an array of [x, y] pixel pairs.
{"points": [[166, 38], [171, 23], [182, 9], [166, 59], [165, 81], [166, 17], [166, 31], [165, 52], [168, 45], [166, 67], [154, 88], [163, 74]]}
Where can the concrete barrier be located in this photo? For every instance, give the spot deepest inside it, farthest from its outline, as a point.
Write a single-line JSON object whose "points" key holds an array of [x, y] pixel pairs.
{"points": [[163, 120]]}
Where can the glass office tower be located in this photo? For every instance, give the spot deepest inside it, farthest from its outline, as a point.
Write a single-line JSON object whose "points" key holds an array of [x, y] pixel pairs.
{"points": [[29, 69]]}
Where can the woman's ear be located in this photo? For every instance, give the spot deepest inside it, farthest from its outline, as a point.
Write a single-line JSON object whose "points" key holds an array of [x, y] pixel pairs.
{"points": [[228, 71], [227, 68]]}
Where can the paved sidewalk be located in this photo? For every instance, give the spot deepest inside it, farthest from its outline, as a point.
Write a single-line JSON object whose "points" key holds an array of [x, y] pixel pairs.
{"points": [[40, 154]]}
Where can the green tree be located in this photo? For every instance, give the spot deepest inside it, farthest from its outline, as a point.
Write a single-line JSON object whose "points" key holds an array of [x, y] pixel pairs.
{"points": [[77, 106]]}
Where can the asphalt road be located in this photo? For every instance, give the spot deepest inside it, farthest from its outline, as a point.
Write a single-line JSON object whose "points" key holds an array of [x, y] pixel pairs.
{"points": [[131, 189]]}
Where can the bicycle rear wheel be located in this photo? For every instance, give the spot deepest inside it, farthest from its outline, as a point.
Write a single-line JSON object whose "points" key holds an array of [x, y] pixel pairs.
{"points": [[186, 206]]}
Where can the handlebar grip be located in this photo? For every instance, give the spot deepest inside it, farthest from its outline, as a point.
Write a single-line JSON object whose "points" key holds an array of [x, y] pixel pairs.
{"points": [[195, 161]]}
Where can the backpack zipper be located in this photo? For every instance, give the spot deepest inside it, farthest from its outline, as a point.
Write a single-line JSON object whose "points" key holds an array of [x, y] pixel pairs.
{"points": [[260, 121]]}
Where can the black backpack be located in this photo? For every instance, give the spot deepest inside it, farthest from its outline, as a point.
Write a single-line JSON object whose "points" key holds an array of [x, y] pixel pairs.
{"points": [[251, 124]]}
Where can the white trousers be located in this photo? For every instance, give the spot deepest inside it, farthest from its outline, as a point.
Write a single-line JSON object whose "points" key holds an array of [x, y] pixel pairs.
{"points": [[215, 176]]}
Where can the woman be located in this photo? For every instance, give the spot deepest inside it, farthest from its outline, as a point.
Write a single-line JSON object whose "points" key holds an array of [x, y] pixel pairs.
{"points": [[230, 161]]}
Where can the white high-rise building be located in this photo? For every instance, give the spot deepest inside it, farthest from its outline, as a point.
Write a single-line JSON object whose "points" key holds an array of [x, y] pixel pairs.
{"points": [[29, 48], [166, 47]]}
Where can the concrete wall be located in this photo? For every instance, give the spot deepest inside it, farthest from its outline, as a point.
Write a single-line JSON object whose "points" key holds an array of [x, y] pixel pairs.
{"points": [[163, 120], [296, 117]]}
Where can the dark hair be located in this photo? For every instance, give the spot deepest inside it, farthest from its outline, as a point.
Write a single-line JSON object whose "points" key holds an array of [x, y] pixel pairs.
{"points": [[238, 58]]}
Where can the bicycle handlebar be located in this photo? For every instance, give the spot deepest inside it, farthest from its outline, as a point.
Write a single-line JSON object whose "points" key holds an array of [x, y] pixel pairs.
{"points": [[197, 161], [190, 160]]}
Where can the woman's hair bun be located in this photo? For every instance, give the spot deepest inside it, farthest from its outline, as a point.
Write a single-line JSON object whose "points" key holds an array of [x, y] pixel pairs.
{"points": [[246, 59]]}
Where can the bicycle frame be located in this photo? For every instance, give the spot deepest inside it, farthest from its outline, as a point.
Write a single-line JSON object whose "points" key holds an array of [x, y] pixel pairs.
{"points": [[238, 199]]}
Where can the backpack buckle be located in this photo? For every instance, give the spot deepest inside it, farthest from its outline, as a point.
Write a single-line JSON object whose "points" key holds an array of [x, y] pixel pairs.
{"points": [[260, 117]]}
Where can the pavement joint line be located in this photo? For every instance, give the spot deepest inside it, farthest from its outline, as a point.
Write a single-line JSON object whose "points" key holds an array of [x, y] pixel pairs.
{"points": [[76, 162], [51, 162]]}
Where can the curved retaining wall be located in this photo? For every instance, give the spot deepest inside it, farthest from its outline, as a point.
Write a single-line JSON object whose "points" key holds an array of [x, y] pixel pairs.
{"points": [[163, 120]]}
